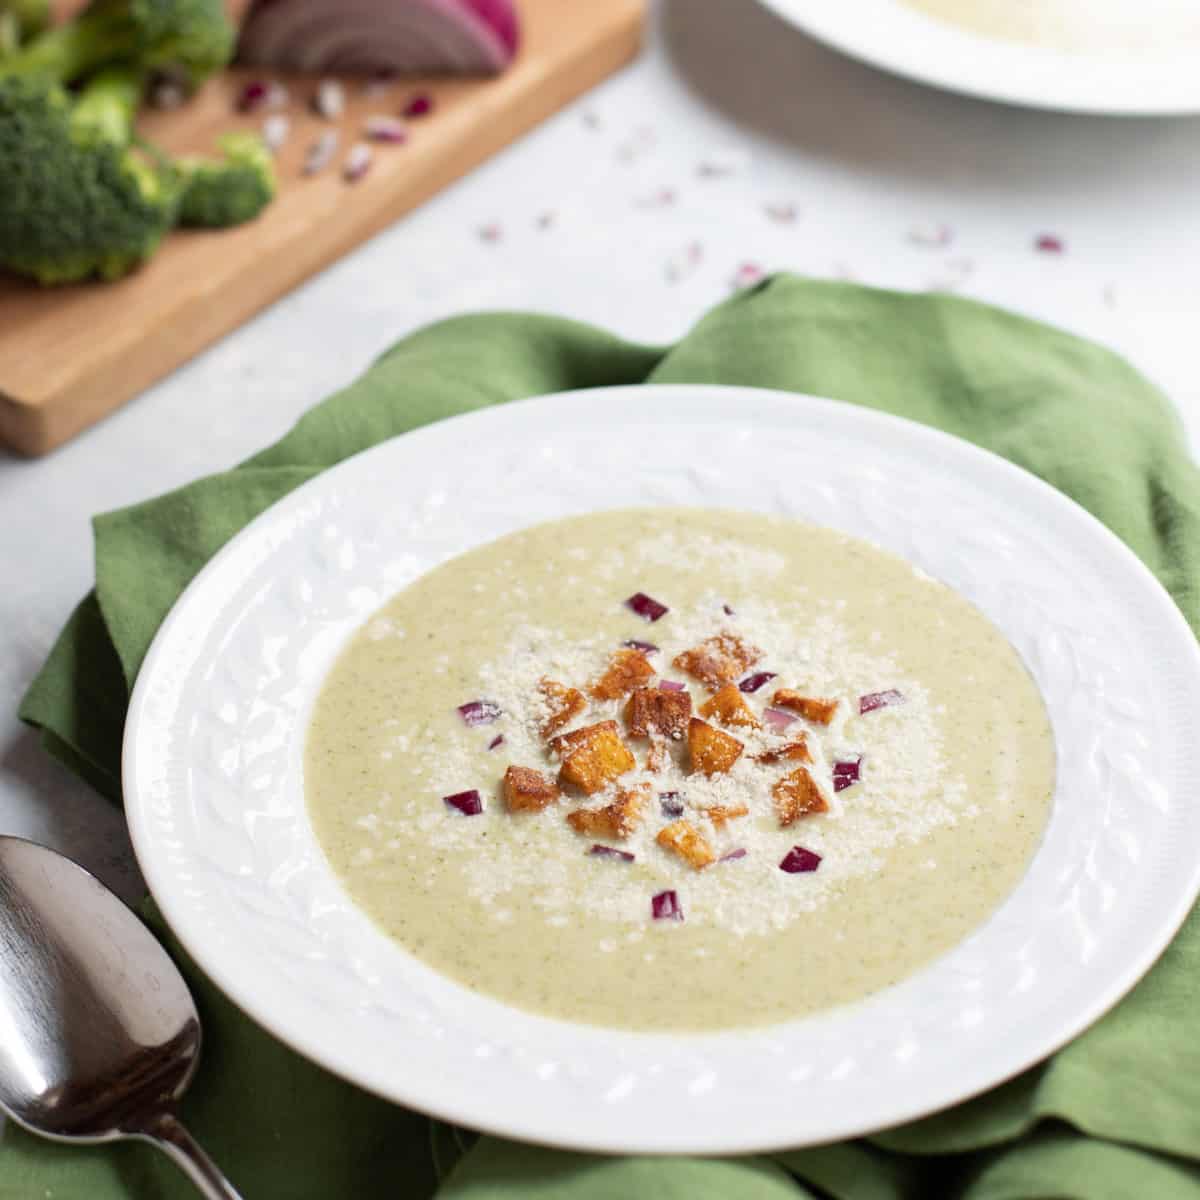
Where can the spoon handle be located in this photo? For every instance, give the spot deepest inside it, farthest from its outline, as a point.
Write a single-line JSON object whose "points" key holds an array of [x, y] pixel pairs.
{"points": [[166, 1131]]}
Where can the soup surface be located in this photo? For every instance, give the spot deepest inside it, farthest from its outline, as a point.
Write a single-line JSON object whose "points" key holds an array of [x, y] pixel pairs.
{"points": [[868, 785], [1093, 26]]}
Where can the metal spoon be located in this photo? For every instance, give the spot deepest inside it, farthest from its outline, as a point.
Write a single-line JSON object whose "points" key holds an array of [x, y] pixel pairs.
{"points": [[98, 1033]]}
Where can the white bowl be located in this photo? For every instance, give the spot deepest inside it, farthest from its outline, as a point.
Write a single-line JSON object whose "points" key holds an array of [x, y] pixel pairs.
{"points": [[214, 788]]}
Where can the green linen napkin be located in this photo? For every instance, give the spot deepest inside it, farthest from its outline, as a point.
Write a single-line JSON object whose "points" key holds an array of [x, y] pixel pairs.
{"points": [[1114, 1115]]}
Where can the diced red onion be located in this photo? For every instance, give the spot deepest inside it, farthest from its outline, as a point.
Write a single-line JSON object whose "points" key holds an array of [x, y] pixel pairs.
{"points": [[467, 803], [261, 93], [683, 262], [329, 100], [777, 718], [873, 700], [665, 906], [658, 199], [740, 852], [846, 773], [747, 275], [723, 162], [1047, 243], [931, 235], [670, 685], [382, 128], [599, 851], [671, 804], [644, 647], [320, 153], [798, 861], [275, 130], [480, 712], [252, 96], [752, 683], [367, 36], [646, 606], [498, 740], [420, 105], [358, 162]]}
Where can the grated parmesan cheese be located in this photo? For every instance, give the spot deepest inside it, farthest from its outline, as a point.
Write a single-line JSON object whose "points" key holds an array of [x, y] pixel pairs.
{"points": [[905, 791]]}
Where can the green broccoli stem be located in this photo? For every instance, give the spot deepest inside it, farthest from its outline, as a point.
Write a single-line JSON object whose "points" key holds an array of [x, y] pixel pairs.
{"points": [[10, 34], [70, 51], [108, 104]]}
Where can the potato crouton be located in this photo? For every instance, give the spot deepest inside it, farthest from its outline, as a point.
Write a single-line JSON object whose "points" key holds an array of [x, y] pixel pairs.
{"points": [[820, 712], [719, 814], [616, 820], [564, 743], [718, 660], [629, 669], [684, 839], [712, 751], [594, 756], [566, 703], [730, 708], [527, 790], [797, 795], [795, 750], [651, 710]]}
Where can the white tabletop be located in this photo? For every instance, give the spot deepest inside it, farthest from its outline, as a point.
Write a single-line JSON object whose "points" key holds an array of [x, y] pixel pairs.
{"points": [[634, 209]]}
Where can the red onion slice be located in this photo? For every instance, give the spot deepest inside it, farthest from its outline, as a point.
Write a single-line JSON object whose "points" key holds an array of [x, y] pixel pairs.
{"points": [[669, 685], [671, 804], [752, 683], [479, 712], [665, 906], [644, 647], [498, 740], [873, 700], [778, 719], [646, 606], [599, 851], [368, 36], [846, 773], [798, 861], [467, 803], [740, 852]]}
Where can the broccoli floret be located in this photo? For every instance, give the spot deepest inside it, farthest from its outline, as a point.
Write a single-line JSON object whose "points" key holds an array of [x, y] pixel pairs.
{"points": [[191, 38], [78, 200], [19, 21], [229, 190]]}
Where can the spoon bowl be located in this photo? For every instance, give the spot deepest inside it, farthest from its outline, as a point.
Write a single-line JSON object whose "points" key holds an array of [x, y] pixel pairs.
{"points": [[99, 1037]]}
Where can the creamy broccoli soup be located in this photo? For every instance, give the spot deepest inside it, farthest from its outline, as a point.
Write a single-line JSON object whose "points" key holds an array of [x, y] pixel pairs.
{"points": [[1097, 26], [678, 769]]}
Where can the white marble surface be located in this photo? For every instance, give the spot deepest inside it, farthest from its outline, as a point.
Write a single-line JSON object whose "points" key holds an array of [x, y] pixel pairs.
{"points": [[867, 160]]}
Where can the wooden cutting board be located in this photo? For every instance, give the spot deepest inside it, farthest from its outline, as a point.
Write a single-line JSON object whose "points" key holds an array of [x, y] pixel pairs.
{"points": [[69, 356]]}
